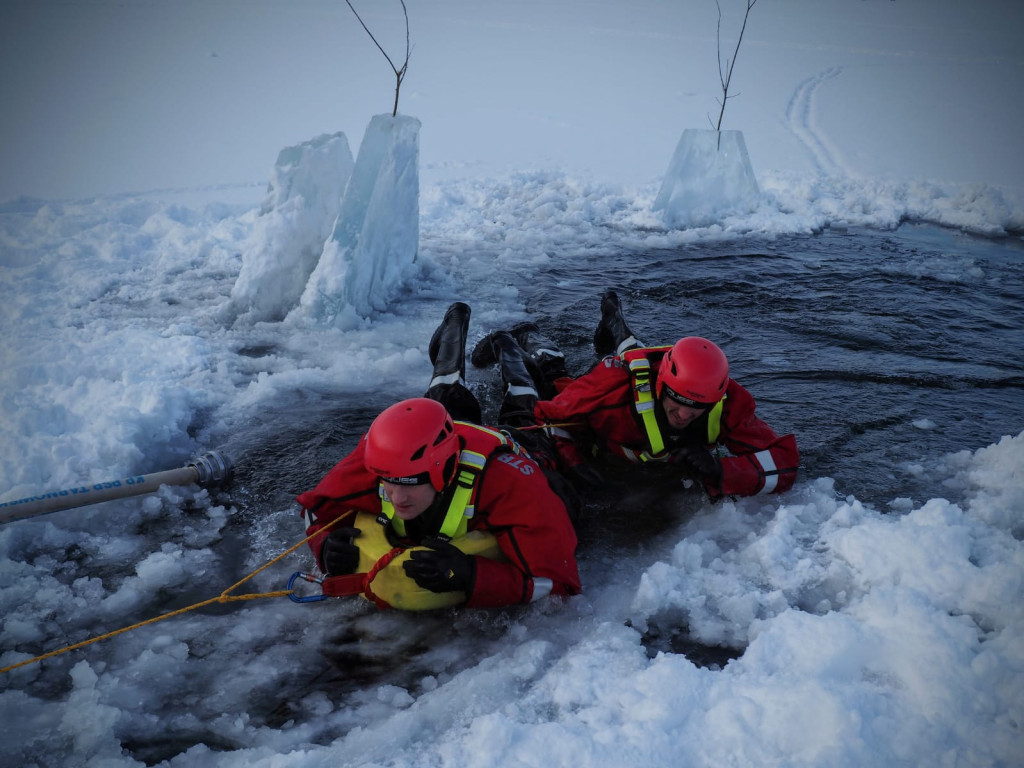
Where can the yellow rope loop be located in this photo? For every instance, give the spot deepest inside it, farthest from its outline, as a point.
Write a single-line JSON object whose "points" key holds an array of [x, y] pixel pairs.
{"points": [[552, 424], [223, 597]]}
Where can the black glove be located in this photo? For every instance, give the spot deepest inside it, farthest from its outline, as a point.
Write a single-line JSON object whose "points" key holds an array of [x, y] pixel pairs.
{"points": [[700, 462], [585, 476], [339, 555], [442, 568]]}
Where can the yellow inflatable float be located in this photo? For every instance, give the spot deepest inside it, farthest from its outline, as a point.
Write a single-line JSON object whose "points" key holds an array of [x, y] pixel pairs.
{"points": [[380, 577]]}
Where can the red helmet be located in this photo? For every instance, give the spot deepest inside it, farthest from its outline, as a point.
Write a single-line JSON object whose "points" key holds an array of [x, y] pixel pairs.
{"points": [[694, 372], [412, 442]]}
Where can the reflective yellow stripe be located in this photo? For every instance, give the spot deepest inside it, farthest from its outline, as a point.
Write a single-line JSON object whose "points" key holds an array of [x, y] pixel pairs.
{"points": [[456, 519], [471, 464], [643, 398], [715, 421]]}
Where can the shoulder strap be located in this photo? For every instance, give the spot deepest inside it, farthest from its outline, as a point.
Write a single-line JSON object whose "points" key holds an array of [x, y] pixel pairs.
{"points": [[715, 421], [481, 444], [643, 399], [461, 508]]}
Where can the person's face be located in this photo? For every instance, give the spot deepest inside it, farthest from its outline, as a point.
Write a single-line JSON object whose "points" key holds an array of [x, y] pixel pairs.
{"points": [[410, 501], [678, 415]]}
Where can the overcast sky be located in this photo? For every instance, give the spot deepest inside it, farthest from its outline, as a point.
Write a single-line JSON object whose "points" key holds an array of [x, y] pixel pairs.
{"points": [[109, 96]]}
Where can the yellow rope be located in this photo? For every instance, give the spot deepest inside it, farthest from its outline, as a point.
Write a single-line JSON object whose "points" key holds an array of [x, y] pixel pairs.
{"points": [[552, 424], [223, 597]]}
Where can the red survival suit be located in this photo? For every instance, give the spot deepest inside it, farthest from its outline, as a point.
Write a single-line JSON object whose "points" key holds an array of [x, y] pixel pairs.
{"points": [[512, 500], [598, 409]]}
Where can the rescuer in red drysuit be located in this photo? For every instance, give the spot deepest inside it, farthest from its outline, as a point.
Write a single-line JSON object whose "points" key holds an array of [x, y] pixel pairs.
{"points": [[430, 478], [673, 409]]}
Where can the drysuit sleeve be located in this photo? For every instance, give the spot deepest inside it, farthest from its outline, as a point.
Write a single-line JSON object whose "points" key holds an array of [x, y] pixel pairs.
{"points": [[762, 461], [532, 527]]}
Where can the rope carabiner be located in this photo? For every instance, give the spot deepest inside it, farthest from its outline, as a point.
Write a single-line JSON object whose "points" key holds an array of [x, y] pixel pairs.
{"points": [[312, 579]]}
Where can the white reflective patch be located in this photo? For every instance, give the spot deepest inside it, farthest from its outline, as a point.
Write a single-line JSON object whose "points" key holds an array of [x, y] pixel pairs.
{"points": [[516, 391], [307, 517], [448, 378], [541, 588], [626, 345], [472, 459], [548, 352], [630, 454], [771, 474]]}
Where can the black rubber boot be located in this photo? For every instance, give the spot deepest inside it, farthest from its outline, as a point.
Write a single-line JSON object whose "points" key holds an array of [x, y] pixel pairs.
{"points": [[483, 355], [542, 350], [612, 336], [520, 387], [447, 352], [447, 348], [544, 360]]}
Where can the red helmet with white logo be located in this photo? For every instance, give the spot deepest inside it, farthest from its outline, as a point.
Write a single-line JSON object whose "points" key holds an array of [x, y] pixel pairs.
{"points": [[694, 372], [413, 442]]}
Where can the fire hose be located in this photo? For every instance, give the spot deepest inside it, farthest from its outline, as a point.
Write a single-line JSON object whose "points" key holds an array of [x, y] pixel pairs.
{"points": [[207, 470]]}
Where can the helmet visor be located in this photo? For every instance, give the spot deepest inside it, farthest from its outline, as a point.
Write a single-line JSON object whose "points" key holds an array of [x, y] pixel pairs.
{"points": [[682, 399]]}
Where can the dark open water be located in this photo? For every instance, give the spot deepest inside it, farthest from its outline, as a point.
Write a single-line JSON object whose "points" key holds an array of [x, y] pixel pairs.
{"points": [[847, 339]]}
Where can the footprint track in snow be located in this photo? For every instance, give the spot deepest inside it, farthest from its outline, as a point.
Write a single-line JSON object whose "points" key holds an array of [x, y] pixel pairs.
{"points": [[802, 121]]}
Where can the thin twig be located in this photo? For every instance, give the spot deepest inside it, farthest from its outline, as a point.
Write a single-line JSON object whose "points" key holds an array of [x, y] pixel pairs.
{"points": [[725, 78], [399, 73]]}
